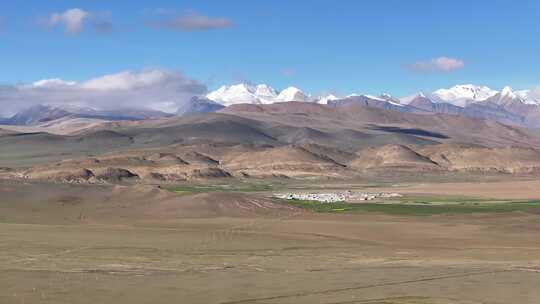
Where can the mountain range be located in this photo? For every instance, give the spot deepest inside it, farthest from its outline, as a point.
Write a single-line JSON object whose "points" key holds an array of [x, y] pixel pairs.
{"points": [[507, 106], [344, 140], [514, 107], [459, 95], [39, 114], [259, 94]]}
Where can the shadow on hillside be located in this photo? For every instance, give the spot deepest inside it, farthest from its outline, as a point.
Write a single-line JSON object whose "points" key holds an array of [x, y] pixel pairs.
{"points": [[409, 131]]}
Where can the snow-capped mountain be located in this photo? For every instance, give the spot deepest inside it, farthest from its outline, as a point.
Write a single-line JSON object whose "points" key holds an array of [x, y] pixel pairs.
{"points": [[326, 98], [507, 106], [266, 93], [384, 101], [465, 95], [292, 94], [461, 95], [238, 93], [260, 94], [408, 99], [508, 96], [387, 98]]}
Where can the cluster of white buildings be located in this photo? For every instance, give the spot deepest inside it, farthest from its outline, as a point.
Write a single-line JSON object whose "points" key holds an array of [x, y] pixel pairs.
{"points": [[334, 197], [320, 197]]}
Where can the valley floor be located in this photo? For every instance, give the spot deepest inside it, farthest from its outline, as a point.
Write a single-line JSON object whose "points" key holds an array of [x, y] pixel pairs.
{"points": [[524, 189], [68, 252]]}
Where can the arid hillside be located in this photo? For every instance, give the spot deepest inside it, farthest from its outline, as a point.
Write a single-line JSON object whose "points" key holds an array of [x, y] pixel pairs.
{"points": [[285, 140]]}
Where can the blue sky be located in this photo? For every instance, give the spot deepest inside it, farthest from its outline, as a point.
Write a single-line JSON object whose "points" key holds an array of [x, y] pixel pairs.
{"points": [[339, 46]]}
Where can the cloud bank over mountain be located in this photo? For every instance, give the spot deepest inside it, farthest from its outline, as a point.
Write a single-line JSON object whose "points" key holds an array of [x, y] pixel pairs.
{"points": [[156, 89]]}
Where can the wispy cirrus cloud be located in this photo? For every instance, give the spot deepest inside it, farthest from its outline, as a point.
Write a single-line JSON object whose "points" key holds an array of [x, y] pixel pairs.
{"points": [[156, 89], [75, 20], [191, 21], [439, 64]]}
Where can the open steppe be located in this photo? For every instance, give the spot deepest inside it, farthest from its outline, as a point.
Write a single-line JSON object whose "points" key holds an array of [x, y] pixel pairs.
{"points": [[181, 209], [269, 152], [64, 243]]}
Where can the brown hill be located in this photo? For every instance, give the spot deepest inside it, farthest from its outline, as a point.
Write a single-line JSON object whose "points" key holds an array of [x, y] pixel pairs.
{"points": [[478, 158], [393, 156], [438, 127], [290, 161]]}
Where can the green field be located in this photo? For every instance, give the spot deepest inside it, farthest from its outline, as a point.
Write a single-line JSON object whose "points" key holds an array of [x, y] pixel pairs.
{"points": [[410, 205], [418, 209]]}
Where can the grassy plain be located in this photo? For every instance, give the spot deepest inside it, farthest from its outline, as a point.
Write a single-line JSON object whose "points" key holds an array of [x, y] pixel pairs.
{"points": [[419, 208], [102, 244]]}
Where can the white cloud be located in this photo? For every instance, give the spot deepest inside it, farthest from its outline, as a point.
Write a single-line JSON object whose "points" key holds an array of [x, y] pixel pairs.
{"points": [[193, 21], [52, 82], [74, 21], [440, 64], [154, 89], [129, 81]]}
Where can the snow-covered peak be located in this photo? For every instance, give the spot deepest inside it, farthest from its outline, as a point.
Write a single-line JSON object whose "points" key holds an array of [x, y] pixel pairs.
{"points": [[387, 96], [408, 99], [507, 91], [235, 94], [326, 98], [374, 97], [461, 95], [292, 94], [508, 95], [528, 97], [260, 94], [524, 94], [241, 89], [265, 90], [390, 99], [266, 93]]}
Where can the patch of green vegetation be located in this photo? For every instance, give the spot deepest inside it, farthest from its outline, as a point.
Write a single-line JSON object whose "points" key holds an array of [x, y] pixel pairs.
{"points": [[6, 220], [433, 200], [415, 209]]}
